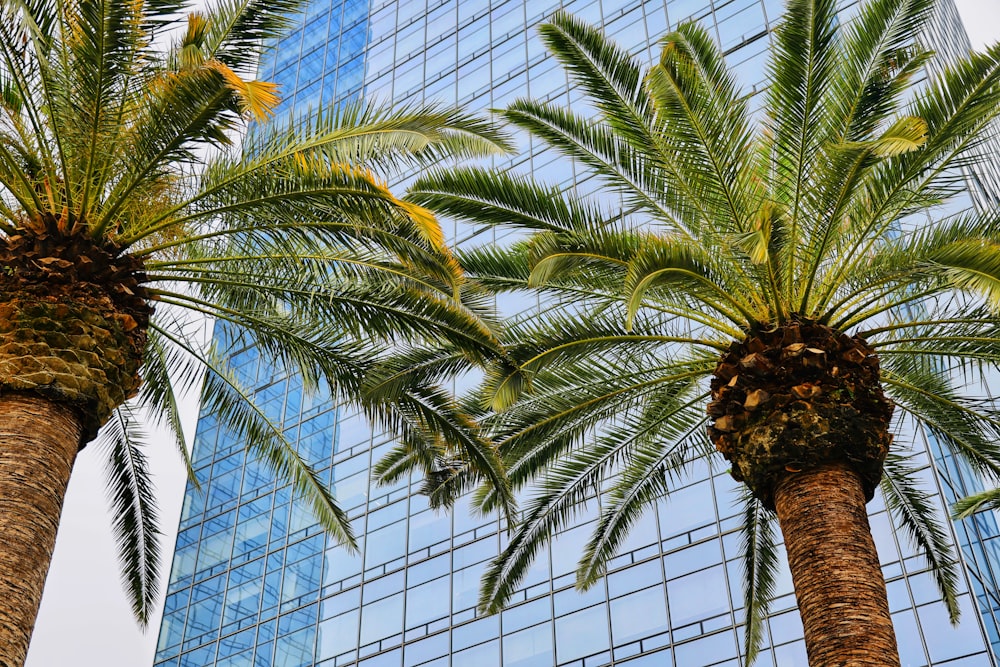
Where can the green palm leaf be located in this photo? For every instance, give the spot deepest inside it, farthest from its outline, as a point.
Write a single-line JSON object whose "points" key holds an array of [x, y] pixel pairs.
{"points": [[133, 507], [758, 548], [914, 510]]}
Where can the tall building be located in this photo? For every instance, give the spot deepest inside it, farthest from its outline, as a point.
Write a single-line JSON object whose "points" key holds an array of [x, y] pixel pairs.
{"points": [[256, 583]]}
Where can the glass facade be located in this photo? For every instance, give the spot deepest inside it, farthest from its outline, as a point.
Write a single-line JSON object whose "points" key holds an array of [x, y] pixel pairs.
{"points": [[255, 583]]}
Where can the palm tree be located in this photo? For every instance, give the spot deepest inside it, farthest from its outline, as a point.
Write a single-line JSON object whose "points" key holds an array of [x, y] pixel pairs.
{"points": [[125, 205], [766, 277]]}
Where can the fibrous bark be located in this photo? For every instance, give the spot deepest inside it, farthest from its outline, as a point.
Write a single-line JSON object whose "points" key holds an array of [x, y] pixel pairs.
{"points": [[796, 398], [835, 569], [38, 443], [73, 320]]}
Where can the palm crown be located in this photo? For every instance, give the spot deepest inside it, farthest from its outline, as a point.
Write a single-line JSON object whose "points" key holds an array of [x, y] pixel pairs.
{"points": [[776, 265], [122, 189]]}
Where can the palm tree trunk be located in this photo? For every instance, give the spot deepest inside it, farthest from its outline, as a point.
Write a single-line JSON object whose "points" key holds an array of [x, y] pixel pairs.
{"points": [[838, 582], [39, 440]]}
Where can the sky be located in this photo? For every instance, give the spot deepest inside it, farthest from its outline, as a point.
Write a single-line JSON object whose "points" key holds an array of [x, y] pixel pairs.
{"points": [[85, 619]]}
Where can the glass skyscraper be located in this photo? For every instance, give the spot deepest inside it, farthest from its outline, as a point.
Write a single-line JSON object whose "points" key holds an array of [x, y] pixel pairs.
{"points": [[256, 583]]}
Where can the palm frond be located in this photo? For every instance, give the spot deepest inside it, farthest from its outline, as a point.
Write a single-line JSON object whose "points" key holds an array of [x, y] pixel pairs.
{"points": [[880, 59], [973, 265], [758, 548], [235, 408], [665, 436], [969, 347], [913, 509], [801, 71], [237, 30], [957, 107], [549, 509], [671, 265], [430, 414], [23, 32], [586, 257], [105, 52], [564, 408], [223, 395], [366, 136], [166, 364], [493, 198], [925, 392], [497, 269], [702, 116], [135, 519], [607, 72], [985, 500]]}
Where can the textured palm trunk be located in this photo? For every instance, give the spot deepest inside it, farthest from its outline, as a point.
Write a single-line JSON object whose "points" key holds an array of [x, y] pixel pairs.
{"points": [[39, 440], [838, 582]]}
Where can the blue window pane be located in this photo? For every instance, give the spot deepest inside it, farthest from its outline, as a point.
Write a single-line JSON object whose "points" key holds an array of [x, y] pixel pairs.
{"points": [[300, 618], [385, 544], [171, 629], [572, 599], [687, 508], [529, 648], [786, 627], [476, 632], [419, 652], [792, 655], [295, 650], [215, 549], [524, 615], [693, 558], [302, 578], [639, 615], [627, 580], [427, 602], [339, 563], [911, 652], [199, 657], [390, 659], [660, 658], [428, 569], [642, 533], [427, 528], [184, 563], [338, 635], [349, 600], [381, 619], [697, 596], [567, 547], [582, 633], [251, 534], [465, 587], [476, 552], [712, 649], [264, 656], [352, 431], [945, 641], [272, 589], [376, 589], [233, 644], [477, 656], [538, 571], [243, 601], [244, 659], [204, 617]]}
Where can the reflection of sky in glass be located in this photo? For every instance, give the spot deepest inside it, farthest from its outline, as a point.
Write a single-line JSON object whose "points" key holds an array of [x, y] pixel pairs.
{"points": [[255, 583]]}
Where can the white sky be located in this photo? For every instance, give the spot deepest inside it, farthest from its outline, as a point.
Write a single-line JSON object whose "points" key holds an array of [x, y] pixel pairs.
{"points": [[85, 620]]}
